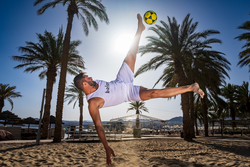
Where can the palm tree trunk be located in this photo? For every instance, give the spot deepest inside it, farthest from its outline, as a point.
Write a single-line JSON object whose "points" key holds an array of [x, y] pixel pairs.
{"points": [[51, 76], [182, 80], [137, 120], [81, 112], [137, 123], [187, 125], [1, 105], [196, 127], [62, 81]]}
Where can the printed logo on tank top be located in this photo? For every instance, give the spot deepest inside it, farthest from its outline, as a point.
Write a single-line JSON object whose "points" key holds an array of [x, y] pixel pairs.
{"points": [[107, 87]]}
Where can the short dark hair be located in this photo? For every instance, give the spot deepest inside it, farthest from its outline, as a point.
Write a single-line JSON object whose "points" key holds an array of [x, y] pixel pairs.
{"points": [[78, 80]]}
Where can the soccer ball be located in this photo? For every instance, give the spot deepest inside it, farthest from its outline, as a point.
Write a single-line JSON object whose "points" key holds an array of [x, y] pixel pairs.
{"points": [[150, 17]]}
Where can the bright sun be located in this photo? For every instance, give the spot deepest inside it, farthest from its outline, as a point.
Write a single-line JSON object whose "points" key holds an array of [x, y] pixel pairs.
{"points": [[122, 42]]}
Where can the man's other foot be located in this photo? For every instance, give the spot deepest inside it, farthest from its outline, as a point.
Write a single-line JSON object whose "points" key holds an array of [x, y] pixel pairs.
{"points": [[196, 88]]}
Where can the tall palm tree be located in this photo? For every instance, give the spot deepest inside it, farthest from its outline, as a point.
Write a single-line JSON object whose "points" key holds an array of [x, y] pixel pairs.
{"points": [[180, 47], [209, 69], [46, 55], [6, 93], [82, 9], [138, 106], [244, 56], [75, 94]]}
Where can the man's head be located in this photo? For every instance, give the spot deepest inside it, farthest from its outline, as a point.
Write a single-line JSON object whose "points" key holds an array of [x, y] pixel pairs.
{"points": [[78, 80], [82, 81]]}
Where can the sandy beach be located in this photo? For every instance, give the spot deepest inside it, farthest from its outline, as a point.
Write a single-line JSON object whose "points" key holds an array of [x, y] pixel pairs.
{"points": [[132, 153]]}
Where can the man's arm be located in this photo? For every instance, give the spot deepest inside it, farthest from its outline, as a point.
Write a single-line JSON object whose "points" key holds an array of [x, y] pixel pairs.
{"points": [[94, 106]]}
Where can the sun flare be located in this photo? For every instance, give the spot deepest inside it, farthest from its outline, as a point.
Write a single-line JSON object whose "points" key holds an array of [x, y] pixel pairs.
{"points": [[122, 42]]}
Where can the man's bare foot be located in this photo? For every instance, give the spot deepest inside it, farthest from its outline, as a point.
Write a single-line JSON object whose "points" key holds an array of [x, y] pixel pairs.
{"points": [[196, 88], [141, 26]]}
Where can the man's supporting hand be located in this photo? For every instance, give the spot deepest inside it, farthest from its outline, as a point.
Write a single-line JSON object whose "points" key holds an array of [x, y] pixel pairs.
{"points": [[109, 152]]}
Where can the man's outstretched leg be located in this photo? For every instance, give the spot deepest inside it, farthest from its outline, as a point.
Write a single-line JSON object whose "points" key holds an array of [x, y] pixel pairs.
{"points": [[131, 55], [146, 94]]}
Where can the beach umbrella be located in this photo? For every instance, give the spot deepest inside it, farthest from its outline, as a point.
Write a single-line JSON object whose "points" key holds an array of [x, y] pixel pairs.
{"points": [[10, 118], [30, 120], [52, 120]]}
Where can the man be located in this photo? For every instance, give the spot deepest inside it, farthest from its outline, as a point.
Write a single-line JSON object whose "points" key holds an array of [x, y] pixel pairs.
{"points": [[104, 94]]}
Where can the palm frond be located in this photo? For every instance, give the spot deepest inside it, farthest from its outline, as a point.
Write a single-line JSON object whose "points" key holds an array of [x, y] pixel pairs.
{"points": [[46, 6], [11, 103]]}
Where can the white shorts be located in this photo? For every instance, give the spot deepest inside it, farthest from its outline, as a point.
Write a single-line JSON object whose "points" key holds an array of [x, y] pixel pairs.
{"points": [[126, 75]]}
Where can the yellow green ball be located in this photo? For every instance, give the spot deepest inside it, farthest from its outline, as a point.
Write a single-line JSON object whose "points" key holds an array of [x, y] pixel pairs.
{"points": [[150, 17]]}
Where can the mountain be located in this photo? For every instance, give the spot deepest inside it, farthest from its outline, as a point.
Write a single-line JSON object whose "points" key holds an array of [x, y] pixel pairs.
{"points": [[176, 119]]}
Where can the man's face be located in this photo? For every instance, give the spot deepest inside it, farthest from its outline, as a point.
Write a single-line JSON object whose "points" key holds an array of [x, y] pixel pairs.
{"points": [[89, 80]]}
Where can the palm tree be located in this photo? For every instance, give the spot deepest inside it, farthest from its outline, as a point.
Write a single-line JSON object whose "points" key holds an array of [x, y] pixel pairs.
{"points": [[229, 93], [81, 8], [75, 94], [46, 55], [244, 56], [6, 93], [219, 109], [210, 104], [138, 106], [243, 99], [185, 52]]}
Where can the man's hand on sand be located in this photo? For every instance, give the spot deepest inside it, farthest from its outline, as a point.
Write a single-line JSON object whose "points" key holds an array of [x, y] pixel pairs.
{"points": [[109, 151]]}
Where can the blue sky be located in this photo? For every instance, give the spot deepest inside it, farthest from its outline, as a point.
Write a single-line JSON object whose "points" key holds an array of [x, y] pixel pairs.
{"points": [[20, 23]]}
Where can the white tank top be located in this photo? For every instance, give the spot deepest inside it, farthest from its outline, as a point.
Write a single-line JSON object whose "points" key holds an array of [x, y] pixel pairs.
{"points": [[113, 92]]}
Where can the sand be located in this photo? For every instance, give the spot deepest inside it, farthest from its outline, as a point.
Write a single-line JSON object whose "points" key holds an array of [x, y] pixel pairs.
{"points": [[132, 153]]}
